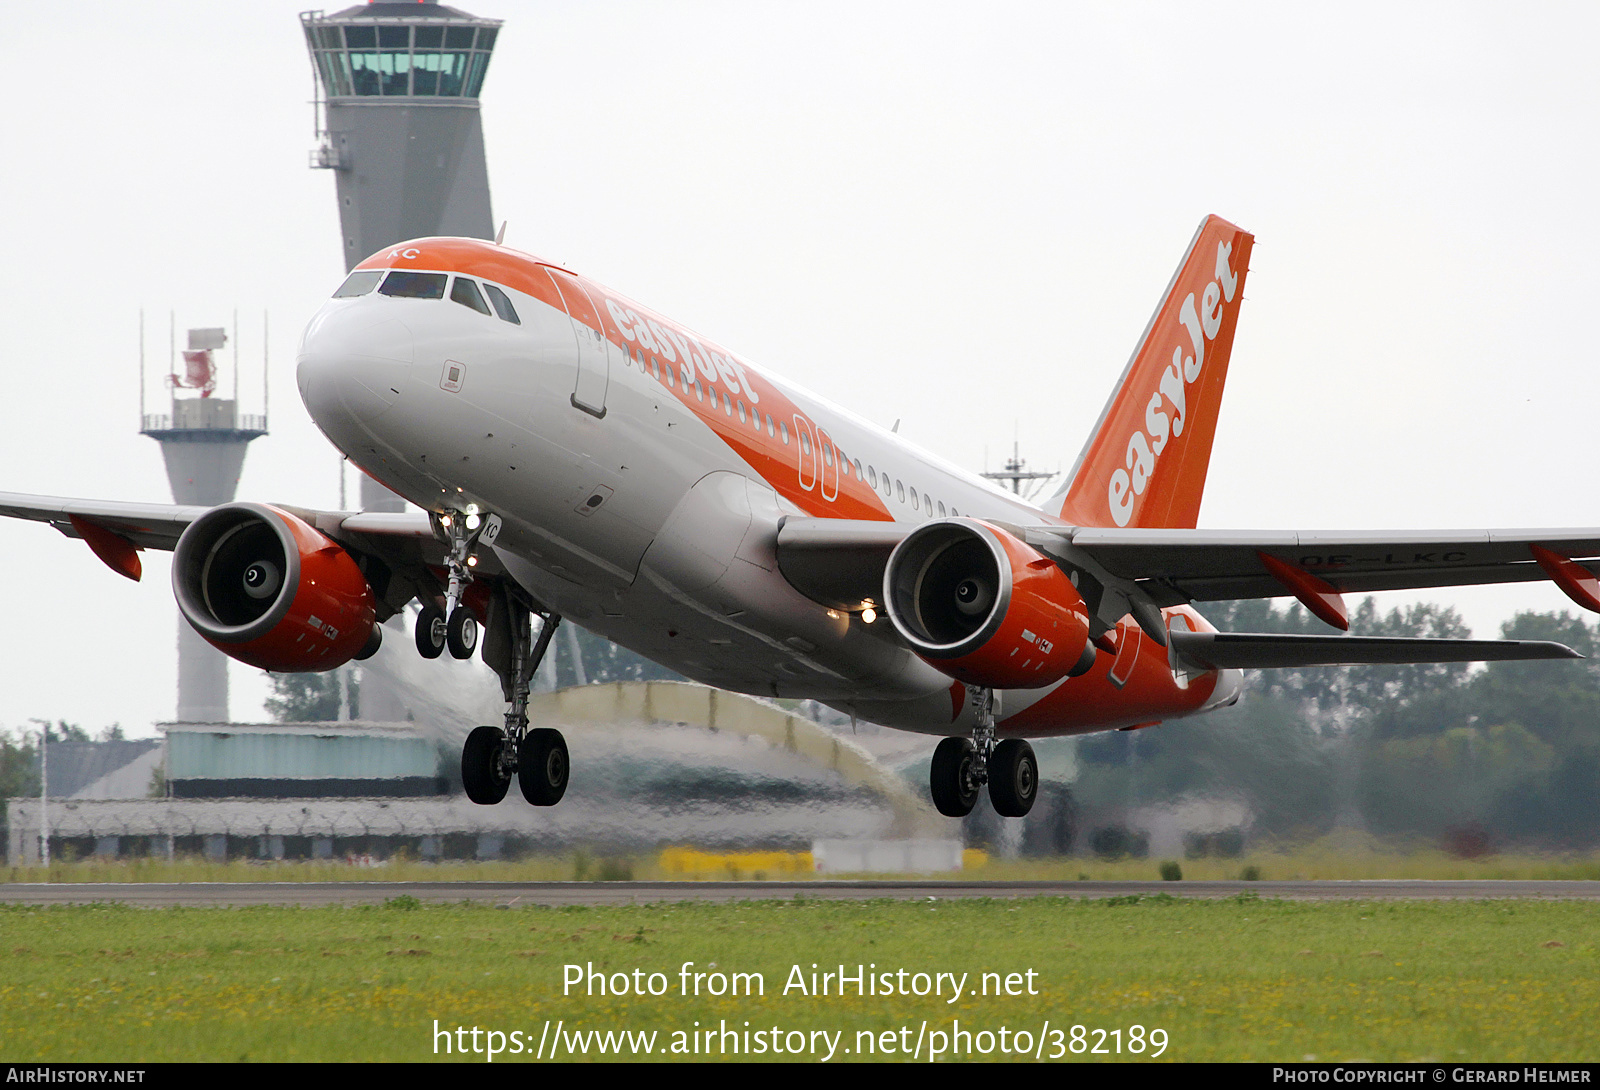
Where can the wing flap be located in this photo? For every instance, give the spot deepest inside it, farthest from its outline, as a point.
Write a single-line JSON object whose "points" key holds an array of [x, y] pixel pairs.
{"points": [[1264, 651]]}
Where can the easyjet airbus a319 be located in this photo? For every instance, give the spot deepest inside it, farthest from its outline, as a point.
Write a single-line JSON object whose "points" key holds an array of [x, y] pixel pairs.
{"points": [[578, 456]]}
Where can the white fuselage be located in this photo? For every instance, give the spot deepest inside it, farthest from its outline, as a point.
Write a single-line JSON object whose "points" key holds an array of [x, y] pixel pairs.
{"points": [[629, 505]]}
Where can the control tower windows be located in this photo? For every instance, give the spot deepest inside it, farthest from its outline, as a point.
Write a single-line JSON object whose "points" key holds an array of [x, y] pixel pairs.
{"points": [[358, 283], [466, 293], [480, 68], [398, 61], [414, 285], [502, 305]]}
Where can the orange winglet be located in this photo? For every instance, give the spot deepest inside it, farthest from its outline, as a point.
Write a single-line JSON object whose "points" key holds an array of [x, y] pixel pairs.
{"points": [[1576, 581], [1315, 594], [119, 554]]}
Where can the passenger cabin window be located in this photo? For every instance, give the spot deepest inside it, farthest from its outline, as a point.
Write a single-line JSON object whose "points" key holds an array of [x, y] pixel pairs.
{"points": [[900, 490], [414, 285], [771, 428], [502, 305], [358, 283], [941, 509], [783, 427], [466, 293]]}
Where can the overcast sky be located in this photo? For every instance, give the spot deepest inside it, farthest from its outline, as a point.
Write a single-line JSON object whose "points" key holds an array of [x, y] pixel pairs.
{"points": [[956, 215]]}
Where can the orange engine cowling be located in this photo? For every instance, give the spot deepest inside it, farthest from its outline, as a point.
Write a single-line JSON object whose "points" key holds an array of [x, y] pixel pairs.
{"points": [[262, 586], [986, 608]]}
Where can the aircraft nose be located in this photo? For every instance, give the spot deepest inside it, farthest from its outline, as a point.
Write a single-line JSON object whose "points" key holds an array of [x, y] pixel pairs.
{"points": [[353, 365]]}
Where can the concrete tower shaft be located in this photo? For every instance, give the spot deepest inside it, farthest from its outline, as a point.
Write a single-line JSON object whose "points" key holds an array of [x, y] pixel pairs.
{"points": [[203, 441], [399, 120]]}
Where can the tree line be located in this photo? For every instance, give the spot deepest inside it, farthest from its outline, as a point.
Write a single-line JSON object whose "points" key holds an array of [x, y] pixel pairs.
{"points": [[1502, 754]]}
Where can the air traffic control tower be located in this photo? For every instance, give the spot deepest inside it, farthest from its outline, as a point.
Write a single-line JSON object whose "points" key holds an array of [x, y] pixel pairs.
{"points": [[398, 124], [398, 120], [203, 441]]}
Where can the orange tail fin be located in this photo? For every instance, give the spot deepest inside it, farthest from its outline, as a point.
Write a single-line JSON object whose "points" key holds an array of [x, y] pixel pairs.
{"points": [[1146, 462]]}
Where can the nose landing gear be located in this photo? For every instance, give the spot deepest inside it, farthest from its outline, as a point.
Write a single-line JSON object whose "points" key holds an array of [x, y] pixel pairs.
{"points": [[455, 626], [961, 767]]}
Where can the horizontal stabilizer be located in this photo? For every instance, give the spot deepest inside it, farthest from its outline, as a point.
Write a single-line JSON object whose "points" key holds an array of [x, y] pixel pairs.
{"points": [[1264, 651]]}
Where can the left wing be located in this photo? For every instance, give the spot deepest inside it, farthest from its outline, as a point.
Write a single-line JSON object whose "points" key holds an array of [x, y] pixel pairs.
{"points": [[1213, 565], [840, 563], [1268, 651]]}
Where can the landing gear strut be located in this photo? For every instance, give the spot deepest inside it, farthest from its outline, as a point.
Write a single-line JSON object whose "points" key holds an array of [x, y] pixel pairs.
{"points": [[455, 626], [961, 766], [492, 755]]}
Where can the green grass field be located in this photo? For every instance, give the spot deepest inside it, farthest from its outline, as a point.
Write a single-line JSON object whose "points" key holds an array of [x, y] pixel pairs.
{"points": [[1236, 979]]}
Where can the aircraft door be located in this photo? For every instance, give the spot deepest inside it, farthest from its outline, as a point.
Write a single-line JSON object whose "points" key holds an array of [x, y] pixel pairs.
{"points": [[594, 369], [809, 459], [830, 465]]}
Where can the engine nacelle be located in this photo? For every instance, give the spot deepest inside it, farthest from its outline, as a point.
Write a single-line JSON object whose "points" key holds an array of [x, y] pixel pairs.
{"points": [[264, 587], [986, 608]]}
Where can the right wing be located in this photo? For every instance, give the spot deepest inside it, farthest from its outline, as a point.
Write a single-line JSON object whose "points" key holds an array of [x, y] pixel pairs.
{"points": [[399, 553]]}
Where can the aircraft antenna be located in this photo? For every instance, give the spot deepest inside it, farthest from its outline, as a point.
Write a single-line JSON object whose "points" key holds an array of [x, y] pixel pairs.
{"points": [[1016, 471]]}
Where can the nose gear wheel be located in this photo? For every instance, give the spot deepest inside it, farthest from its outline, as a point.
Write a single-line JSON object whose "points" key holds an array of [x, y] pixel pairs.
{"points": [[461, 633], [431, 632]]}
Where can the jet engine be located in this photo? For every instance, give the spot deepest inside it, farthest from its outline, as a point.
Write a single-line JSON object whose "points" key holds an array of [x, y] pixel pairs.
{"points": [[986, 608], [266, 588]]}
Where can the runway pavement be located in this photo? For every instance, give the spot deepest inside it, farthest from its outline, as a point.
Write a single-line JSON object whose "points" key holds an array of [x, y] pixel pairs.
{"points": [[158, 894]]}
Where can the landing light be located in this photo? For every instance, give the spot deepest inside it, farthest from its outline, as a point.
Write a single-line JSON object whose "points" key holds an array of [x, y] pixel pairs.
{"points": [[473, 520], [472, 562], [869, 615]]}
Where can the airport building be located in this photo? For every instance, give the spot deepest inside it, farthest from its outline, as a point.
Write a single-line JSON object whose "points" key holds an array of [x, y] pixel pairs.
{"points": [[662, 763]]}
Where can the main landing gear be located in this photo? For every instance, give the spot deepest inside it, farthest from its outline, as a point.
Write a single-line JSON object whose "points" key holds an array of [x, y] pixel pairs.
{"points": [[493, 755], [962, 766]]}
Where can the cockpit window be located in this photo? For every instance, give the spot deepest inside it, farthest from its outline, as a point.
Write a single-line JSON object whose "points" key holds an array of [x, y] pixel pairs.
{"points": [[358, 283], [502, 305], [466, 293], [414, 285]]}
